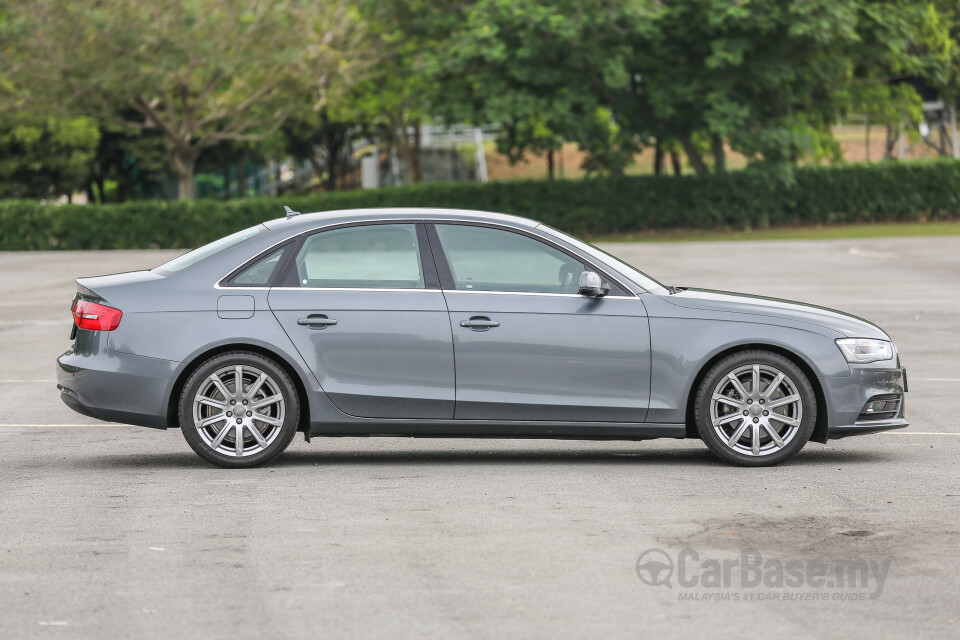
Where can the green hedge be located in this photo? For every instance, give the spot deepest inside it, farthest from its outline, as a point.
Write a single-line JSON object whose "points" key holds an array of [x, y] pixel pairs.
{"points": [[742, 199]]}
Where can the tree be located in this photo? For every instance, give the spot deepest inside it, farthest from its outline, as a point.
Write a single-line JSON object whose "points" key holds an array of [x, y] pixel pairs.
{"points": [[133, 159], [326, 143], [531, 135], [769, 77], [45, 157], [399, 93], [201, 72], [531, 66]]}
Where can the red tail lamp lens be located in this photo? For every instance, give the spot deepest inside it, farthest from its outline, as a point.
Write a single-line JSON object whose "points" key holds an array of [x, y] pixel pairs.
{"points": [[96, 317]]}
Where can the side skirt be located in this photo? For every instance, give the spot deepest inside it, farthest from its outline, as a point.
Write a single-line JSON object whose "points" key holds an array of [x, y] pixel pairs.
{"points": [[485, 429]]}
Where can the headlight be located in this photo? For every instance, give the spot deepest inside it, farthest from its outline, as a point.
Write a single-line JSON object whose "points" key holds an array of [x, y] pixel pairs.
{"points": [[863, 350]]}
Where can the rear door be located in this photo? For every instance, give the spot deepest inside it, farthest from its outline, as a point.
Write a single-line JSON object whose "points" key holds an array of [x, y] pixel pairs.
{"points": [[527, 345], [363, 305]]}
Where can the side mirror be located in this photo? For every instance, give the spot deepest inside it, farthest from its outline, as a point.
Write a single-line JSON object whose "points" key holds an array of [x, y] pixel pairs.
{"points": [[592, 286]]}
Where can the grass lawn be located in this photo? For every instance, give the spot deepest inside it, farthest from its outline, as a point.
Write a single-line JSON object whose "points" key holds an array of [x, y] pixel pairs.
{"points": [[886, 230]]}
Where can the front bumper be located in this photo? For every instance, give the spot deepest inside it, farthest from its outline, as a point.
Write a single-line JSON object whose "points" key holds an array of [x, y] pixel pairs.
{"points": [[116, 387], [846, 398]]}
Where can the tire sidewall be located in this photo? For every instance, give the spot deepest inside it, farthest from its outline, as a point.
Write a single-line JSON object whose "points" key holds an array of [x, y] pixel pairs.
{"points": [[291, 417], [719, 371]]}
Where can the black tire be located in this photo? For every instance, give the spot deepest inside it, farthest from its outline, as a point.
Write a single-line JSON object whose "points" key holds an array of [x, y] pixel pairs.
{"points": [[285, 413], [795, 381]]}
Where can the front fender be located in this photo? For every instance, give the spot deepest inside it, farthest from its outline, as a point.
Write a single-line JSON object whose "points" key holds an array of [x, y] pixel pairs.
{"points": [[682, 347]]}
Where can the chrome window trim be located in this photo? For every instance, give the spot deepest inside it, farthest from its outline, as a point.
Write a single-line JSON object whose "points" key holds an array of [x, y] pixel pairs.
{"points": [[443, 291], [371, 289]]}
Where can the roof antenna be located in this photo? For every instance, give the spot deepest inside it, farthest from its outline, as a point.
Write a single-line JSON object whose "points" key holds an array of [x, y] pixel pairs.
{"points": [[290, 212]]}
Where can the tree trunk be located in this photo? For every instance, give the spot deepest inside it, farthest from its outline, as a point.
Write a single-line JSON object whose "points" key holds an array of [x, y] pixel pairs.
{"points": [[226, 181], [675, 160], [184, 161], [867, 141], [658, 158], [719, 154], [696, 160], [891, 143], [241, 178], [410, 151], [550, 164], [334, 147], [417, 174], [185, 186]]}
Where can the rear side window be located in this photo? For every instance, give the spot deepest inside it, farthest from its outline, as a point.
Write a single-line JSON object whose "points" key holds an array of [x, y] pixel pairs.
{"points": [[485, 259], [380, 256], [259, 274]]}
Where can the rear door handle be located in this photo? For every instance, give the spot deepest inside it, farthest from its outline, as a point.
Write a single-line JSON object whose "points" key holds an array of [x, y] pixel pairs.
{"points": [[316, 321], [479, 323]]}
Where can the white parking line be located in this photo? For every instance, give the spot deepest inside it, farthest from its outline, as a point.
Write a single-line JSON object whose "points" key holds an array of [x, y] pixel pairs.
{"points": [[104, 424], [936, 379], [920, 433], [866, 253]]}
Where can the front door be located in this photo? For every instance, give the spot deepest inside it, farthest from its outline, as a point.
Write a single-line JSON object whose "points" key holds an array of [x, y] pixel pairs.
{"points": [[366, 313], [527, 346]]}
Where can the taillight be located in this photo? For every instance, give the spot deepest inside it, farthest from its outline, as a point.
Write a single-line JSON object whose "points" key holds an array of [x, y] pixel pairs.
{"points": [[96, 317]]}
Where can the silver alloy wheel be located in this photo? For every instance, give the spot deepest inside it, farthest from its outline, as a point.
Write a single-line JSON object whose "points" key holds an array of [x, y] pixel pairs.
{"points": [[756, 410], [238, 410]]}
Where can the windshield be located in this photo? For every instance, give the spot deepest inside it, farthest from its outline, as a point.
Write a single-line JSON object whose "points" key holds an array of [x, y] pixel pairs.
{"points": [[639, 277], [192, 257]]}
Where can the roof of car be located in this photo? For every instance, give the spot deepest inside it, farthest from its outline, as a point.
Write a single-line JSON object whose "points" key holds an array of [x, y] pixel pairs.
{"points": [[403, 213]]}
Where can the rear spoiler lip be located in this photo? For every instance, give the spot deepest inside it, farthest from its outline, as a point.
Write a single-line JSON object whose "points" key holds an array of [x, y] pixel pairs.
{"points": [[85, 293]]}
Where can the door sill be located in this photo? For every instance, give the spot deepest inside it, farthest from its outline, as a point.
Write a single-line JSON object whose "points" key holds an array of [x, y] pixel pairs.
{"points": [[497, 429]]}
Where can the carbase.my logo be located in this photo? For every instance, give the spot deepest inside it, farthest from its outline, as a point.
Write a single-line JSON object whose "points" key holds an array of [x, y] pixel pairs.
{"points": [[750, 570]]}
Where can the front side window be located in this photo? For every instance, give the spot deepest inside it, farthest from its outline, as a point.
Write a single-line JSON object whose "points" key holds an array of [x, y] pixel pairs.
{"points": [[485, 259], [380, 256]]}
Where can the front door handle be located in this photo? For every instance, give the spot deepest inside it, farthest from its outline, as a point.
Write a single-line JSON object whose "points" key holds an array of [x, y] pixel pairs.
{"points": [[316, 321], [479, 323]]}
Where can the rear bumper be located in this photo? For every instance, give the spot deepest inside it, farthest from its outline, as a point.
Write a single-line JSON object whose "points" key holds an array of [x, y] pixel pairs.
{"points": [[116, 387], [846, 398]]}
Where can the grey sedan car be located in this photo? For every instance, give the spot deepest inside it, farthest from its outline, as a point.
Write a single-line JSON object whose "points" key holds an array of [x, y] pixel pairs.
{"points": [[432, 322]]}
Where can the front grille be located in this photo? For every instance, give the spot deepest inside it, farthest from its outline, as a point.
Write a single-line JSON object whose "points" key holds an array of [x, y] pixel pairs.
{"points": [[882, 407]]}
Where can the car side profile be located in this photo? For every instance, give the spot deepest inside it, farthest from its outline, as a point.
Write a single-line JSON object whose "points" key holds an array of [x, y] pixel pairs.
{"points": [[432, 322]]}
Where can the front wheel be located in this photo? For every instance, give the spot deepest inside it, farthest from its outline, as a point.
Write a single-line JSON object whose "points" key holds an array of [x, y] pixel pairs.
{"points": [[239, 409], [755, 408]]}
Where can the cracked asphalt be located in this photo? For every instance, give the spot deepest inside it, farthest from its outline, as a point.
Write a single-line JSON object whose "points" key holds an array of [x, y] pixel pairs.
{"points": [[112, 531]]}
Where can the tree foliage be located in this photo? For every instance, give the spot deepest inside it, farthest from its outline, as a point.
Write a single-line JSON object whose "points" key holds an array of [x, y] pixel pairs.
{"points": [[765, 78], [199, 71], [45, 157]]}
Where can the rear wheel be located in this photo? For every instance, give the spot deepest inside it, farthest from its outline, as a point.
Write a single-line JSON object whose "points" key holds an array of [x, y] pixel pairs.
{"points": [[239, 409], [755, 408]]}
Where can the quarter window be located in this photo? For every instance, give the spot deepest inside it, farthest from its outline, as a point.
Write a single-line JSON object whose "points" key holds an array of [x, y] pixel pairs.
{"points": [[258, 274], [381, 256], [485, 259]]}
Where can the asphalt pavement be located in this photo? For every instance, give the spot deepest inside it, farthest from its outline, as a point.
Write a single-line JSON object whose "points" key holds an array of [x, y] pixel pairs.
{"points": [[113, 531]]}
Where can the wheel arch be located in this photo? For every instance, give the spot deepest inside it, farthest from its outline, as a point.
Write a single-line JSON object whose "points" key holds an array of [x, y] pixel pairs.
{"points": [[820, 426], [282, 361]]}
